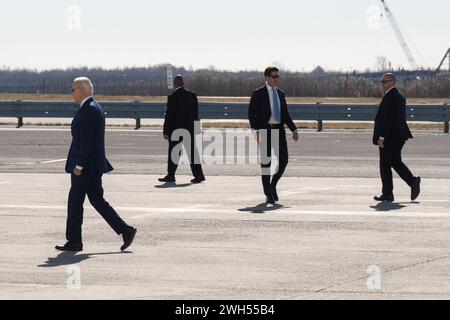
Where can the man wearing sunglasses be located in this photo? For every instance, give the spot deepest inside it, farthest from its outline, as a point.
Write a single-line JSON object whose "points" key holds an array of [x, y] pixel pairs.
{"points": [[86, 163], [268, 113], [390, 134]]}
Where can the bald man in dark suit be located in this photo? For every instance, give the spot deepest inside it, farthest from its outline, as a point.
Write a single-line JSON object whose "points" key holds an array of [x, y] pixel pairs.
{"points": [[182, 115], [390, 135]]}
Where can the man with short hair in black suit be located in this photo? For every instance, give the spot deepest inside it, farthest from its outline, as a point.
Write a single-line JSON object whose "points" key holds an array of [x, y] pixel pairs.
{"points": [[86, 163], [390, 134], [268, 113], [182, 113]]}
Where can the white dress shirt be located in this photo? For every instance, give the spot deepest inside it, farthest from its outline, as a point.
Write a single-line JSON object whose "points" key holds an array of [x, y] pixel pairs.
{"points": [[272, 117], [270, 91], [84, 100]]}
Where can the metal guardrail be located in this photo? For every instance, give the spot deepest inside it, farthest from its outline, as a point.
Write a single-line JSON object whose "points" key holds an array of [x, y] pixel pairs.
{"points": [[220, 110]]}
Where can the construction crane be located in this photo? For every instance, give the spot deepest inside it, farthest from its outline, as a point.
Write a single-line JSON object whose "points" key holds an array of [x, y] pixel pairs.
{"points": [[447, 55], [400, 37]]}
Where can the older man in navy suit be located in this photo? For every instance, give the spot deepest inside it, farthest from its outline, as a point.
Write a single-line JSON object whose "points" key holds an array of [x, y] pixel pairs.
{"points": [[86, 162]]}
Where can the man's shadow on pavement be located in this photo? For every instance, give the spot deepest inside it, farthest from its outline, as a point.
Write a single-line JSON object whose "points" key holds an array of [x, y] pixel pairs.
{"points": [[263, 208], [391, 206], [69, 258], [169, 185]]}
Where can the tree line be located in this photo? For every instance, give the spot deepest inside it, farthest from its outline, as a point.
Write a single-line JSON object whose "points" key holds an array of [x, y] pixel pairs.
{"points": [[152, 81]]}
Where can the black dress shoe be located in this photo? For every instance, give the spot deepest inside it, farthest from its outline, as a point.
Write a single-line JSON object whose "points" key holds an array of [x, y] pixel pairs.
{"points": [[275, 194], [415, 188], [384, 198], [198, 179], [270, 200], [128, 237], [73, 247], [167, 178]]}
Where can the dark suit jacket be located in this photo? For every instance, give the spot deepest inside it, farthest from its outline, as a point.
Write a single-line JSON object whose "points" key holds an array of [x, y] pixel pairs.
{"points": [[182, 111], [88, 139], [259, 112], [390, 121]]}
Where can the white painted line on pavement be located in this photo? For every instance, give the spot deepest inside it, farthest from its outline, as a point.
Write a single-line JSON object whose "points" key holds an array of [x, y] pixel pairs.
{"points": [[280, 211], [53, 161], [43, 207], [34, 129], [19, 163], [152, 211]]}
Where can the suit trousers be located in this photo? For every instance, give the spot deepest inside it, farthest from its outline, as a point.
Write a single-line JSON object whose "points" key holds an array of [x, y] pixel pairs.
{"points": [[90, 184], [391, 157], [276, 139], [192, 153]]}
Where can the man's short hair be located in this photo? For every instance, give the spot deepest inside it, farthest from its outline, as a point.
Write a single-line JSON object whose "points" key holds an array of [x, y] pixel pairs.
{"points": [[391, 76], [84, 83], [269, 70], [178, 77]]}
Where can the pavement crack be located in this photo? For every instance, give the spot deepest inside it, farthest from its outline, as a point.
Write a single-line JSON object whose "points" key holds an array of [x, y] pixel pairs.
{"points": [[384, 272]]}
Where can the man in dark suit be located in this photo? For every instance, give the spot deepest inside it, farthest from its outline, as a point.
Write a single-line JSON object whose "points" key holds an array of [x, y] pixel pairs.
{"points": [[390, 134], [86, 162], [182, 113], [268, 113]]}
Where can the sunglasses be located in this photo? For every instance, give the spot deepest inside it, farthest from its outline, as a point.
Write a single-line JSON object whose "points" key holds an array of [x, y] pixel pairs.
{"points": [[275, 77], [386, 81]]}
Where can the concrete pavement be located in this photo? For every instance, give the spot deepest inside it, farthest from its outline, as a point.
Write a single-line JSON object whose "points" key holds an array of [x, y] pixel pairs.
{"points": [[326, 240]]}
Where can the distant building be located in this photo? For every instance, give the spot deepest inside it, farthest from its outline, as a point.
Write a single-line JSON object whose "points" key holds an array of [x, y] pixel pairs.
{"points": [[318, 71]]}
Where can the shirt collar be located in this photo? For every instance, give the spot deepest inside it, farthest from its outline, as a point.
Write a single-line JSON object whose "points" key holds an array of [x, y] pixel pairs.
{"points": [[84, 101], [390, 89], [269, 87], [178, 88]]}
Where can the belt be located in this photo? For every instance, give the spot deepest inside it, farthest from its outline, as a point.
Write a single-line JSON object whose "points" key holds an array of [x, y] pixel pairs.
{"points": [[275, 126]]}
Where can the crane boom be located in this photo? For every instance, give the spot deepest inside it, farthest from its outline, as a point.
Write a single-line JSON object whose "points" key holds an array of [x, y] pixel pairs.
{"points": [[443, 60], [400, 37]]}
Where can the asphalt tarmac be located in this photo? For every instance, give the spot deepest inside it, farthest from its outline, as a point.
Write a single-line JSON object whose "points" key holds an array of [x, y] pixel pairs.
{"points": [[325, 239]]}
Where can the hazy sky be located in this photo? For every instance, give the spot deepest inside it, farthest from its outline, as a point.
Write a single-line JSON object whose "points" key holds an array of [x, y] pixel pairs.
{"points": [[230, 34]]}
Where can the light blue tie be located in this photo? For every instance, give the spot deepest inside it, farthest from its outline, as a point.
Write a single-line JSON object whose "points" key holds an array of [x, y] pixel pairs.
{"points": [[276, 106]]}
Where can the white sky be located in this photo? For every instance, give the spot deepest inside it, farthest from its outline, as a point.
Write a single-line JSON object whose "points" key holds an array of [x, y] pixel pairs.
{"points": [[231, 34]]}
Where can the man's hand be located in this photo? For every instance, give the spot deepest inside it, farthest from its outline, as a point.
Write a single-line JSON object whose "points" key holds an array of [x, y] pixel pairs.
{"points": [[295, 135], [257, 136], [166, 136], [77, 172], [381, 143]]}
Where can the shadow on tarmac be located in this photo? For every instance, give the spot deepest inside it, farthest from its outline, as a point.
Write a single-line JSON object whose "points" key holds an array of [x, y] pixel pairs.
{"points": [[263, 208], [388, 206], [69, 258], [169, 185]]}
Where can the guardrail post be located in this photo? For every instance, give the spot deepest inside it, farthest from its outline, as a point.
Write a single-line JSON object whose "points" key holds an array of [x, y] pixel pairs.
{"points": [[20, 115], [138, 124], [446, 124], [319, 125], [319, 122], [138, 120]]}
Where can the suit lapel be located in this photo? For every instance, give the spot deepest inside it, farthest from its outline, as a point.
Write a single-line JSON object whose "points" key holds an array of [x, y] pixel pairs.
{"points": [[267, 100], [87, 102], [77, 114], [281, 103]]}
